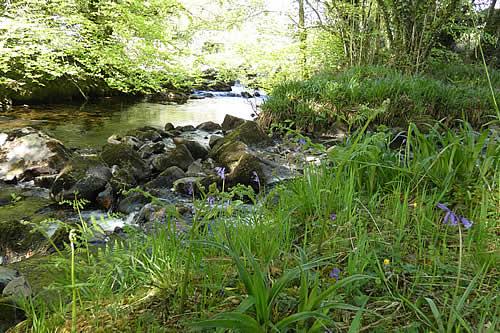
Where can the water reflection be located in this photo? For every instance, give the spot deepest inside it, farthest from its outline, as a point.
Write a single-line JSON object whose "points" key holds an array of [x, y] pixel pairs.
{"points": [[92, 124]]}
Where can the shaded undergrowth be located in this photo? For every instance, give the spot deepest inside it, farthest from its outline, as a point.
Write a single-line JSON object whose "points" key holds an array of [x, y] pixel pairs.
{"points": [[374, 239]]}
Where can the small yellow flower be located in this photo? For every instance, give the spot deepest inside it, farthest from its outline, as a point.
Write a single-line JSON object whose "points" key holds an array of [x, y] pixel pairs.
{"points": [[386, 262]]}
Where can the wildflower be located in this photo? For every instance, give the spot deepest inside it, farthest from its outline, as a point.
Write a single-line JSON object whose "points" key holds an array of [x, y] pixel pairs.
{"points": [[452, 219], [467, 224], [190, 188], [221, 172], [302, 141], [333, 217], [387, 262], [335, 273], [211, 201], [255, 177]]}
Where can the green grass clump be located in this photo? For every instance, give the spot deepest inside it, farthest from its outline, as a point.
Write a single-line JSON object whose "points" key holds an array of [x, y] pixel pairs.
{"points": [[355, 244], [348, 98]]}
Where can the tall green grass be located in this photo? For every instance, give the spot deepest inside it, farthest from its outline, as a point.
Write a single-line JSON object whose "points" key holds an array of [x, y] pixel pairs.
{"points": [[347, 98], [357, 243]]}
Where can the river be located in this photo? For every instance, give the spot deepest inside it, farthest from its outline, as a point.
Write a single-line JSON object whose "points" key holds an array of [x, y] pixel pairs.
{"points": [[89, 125]]}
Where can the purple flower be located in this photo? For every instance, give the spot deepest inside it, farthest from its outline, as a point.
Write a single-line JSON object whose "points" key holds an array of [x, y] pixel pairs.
{"points": [[255, 177], [335, 273], [190, 188], [451, 218], [467, 224], [302, 141], [211, 201], [442, 207], [221, 172], [333, 216]]}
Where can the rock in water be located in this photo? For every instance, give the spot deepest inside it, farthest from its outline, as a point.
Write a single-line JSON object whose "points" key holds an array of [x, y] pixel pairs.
{"points": [[250, 133], [180, 156], [124, 156], [132, 203], [231, 122], [166, 179], [209, 126], [28, 153], [81, 178], [196, 149]]}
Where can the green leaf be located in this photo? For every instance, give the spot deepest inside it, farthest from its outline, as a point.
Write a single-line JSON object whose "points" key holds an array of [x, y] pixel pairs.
{"points": [[301, 316], [231, 320], [436, 313]]}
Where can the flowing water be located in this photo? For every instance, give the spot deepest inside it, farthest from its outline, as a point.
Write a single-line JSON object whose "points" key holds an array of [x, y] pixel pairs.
{"points": [[91, 124]]}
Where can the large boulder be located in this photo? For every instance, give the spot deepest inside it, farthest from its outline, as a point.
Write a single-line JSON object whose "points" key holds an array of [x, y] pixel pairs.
{"points": [[227, 152], [180, 156], [80, 179], [125, 157], [26, 153], [166, 179], [231, 122], [241, 162], [122, 180], [196, 149], [247, 171], [250, 133]]}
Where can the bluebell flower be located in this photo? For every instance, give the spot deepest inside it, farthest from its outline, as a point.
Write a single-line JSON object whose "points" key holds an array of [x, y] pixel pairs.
{"points": [[221, 172], [302, 141], [333, 216], [335, 273], [451, 218], [466, 223]]}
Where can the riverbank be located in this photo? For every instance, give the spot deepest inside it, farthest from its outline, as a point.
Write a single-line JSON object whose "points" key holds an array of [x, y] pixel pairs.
{"points": [[346, 99], [378, 236]]}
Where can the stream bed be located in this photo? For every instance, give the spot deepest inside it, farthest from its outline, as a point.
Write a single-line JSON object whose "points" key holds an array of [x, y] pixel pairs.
{"points": [[89, 125]]}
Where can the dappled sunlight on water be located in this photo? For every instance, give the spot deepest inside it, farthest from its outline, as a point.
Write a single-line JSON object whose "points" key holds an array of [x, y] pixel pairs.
{"points": [[90, 125]]}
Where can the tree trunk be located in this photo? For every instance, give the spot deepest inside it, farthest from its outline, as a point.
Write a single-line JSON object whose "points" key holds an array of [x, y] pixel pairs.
{"points": [[302, 39]]}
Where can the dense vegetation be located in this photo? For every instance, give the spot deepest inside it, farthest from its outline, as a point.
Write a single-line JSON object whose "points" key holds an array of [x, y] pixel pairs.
{"points": [[383, 235], [348, 98], [375, 239]]}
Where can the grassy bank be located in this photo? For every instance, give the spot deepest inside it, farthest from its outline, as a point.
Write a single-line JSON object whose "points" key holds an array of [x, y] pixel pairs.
{"points": [[374, 239], [348, 98]]}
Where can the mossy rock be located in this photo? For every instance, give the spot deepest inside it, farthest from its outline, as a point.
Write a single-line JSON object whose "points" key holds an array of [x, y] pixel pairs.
{"points": [[243, 172], [250, 133], [227, 152], [83, 176], [125, 157], [180, 157], [18, 236]]}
